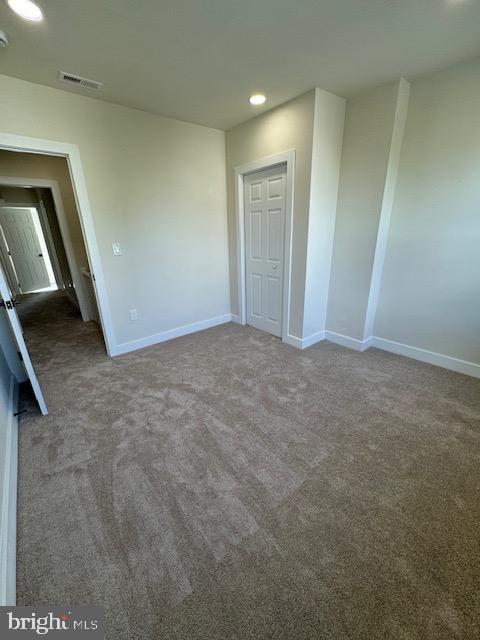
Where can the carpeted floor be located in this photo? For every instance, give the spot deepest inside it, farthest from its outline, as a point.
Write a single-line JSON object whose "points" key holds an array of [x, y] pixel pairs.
{"points": [[224, 486]]}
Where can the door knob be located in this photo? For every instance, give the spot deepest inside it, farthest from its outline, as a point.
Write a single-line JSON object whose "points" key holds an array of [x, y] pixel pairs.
{"points": [[274, 266]]}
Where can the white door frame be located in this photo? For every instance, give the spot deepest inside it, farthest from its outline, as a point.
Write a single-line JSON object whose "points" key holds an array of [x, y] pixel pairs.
{"points": [[71, 152], [288, 158], [7, 264]]}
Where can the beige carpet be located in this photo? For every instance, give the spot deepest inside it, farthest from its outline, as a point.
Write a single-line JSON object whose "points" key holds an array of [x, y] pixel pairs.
{"points": [[225, 486]]}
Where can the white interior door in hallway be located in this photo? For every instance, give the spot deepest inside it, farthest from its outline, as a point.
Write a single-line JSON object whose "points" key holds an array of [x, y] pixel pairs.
{"points": [[22, 229], [264, 198]]}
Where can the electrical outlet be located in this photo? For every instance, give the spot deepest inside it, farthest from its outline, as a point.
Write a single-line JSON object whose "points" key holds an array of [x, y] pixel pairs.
{"points": [[133, 314], [117, 249]]}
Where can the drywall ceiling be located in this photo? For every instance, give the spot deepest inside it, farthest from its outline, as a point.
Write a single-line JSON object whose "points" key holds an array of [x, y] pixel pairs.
{"points": [[199, 60]]}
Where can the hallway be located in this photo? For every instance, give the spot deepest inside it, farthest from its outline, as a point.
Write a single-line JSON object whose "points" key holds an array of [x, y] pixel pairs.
{"points": [[194, 496], [55, 334]]}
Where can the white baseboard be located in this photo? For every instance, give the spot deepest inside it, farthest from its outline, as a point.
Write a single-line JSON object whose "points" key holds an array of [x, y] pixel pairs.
{"points": [[347, 341], [313, 339], [293, 341], [303, 343], [141, 343], [438, 359], [8, 506]]}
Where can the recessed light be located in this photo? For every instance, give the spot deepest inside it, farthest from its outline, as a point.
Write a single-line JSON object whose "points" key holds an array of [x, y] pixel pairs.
{"points": [[26, 9], [257, 98]]}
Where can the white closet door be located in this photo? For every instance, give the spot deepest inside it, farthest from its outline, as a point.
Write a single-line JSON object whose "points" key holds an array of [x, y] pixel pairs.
{"points": [[264, 197]]}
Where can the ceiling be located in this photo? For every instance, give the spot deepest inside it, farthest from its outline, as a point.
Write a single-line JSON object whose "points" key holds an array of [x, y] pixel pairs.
{"points": [[199, 60]]}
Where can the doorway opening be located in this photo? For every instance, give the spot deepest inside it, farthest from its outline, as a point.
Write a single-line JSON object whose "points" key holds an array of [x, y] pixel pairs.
{"points": [[45, 266], [264, 211], [24, 253]]}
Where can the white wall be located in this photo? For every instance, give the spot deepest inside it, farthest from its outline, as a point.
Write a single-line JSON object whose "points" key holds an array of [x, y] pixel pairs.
{"points": [[402, 97], [430, 291], [329, 118], [366, 147], [155, 185]]}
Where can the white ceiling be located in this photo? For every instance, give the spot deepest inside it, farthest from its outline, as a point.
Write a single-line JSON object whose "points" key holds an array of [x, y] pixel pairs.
{"points": [[199, 60]]}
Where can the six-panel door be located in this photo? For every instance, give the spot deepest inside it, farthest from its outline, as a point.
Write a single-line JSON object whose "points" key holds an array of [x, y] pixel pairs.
{"points": [[22, 238], [264, 197]]}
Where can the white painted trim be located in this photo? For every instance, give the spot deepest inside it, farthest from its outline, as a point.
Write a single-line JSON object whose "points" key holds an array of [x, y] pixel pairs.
{"points": [[293, 341], [438, 359], [141, 343], [347, 341], [304, 343], [313, 339], [236, 318], [8, 512], [399, 123], [72, 154], [288, 158], [7, 264]]}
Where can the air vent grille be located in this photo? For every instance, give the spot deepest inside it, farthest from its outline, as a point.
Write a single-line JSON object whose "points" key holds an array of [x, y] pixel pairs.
{"points": [[73, 79]]}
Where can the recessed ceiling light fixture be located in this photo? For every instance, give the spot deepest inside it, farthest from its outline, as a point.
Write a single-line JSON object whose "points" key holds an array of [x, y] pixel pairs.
{"points": [[26, 9], [257, 99]]}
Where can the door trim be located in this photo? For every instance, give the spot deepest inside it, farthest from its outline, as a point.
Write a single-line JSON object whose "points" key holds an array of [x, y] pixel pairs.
{"points": [[71, 152], [7, 264], [47, 232], [287, 158]]}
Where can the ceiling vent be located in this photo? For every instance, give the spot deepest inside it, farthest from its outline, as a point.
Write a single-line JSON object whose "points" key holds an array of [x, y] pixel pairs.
{"points": [[72, 79]]}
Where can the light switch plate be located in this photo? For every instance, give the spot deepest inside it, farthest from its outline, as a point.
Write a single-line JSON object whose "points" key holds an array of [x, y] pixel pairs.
{"points": [[133, 314], [117, 249]]}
